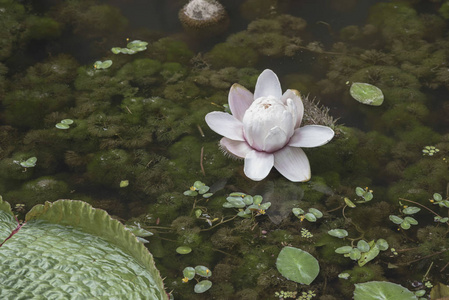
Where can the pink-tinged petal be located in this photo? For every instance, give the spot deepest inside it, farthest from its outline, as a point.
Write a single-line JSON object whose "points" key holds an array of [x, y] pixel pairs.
{"points": [[311, 136], [237, 148], [225, 125], [296, 97], [239, 100], [268, 85], [293, 164], [258, 165], [275, 140]]}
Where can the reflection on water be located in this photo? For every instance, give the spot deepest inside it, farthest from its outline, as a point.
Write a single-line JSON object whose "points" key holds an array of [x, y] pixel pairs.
{"points": [[142, 120]]}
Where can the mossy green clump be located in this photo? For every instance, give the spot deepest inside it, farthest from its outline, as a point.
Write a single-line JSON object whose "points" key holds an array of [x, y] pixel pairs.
{"points": [[13, 14], [38, 191], [140, 72], [82, 16], [226, 55], [397, 21], [171, 50], [109, 167], [40, 28]]}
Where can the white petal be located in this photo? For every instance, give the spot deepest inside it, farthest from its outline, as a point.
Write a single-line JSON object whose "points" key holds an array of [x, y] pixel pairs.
{"points": [[275, 140], [296, 97], [258, 165], [237, 148], [293, 164], [225, 125], [239, 100], [311, 136], [268, 85]]}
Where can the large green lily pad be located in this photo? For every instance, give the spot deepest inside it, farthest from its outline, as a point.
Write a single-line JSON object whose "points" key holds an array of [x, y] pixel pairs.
{"points": [[297, 265], [382, 290], [69, 250]]}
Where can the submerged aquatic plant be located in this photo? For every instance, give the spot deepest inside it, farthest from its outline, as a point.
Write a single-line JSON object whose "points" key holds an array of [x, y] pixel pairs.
{"points": [[264, 129]]}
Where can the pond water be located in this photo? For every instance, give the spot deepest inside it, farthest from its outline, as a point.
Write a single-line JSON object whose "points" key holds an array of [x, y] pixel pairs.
{"points": [[139, 139]]}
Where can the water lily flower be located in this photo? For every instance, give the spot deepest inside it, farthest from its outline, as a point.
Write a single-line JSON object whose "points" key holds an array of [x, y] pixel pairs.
{"points": [[264, 129]]}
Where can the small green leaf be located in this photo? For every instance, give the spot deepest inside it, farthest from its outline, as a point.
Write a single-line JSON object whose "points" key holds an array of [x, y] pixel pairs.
{"points": [[202, 286], [124, 183], [190, 193], [203, 271], [116, 50], [316, 212], [207, 195], [203, 189], [198, 213], [411, 221], [366, 93], [257, 199], [382, 244], [265, 205], [183, 250], [344, 275], [411, 210], [343, 250], [67, 121], [297, 211], [99, 65], [349, 203], [189, 273], [137, 44], [396, 219], [236, 202], [248, 199], [228, 205], [310, 217], [405, 225], [363, 246], [29, 163], [437, 197], [359, 191], [62, 126], [355, 254], [340, 233]]}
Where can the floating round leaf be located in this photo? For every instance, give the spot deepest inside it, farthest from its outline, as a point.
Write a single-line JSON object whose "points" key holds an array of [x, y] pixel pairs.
{"points": [[310, 217], [382, 290], [437, 197], [396, 219], [297, 265], [343, 250], [62, 126], [382, 244], [124, 183], [67, 121], [340, 233], [366, 93], [316, 212], [189, 273], [363, 246], [297, 211], [183, 250], [29, 163], [202, 286], [411, 210], [203, 271]]}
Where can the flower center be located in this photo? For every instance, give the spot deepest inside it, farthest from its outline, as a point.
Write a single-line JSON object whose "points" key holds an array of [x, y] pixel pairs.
{"points": [[268, 124]]}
